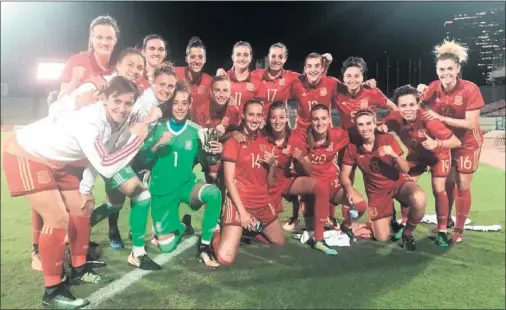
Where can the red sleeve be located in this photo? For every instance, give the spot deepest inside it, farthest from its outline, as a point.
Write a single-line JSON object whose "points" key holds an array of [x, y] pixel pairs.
{"points": [[379, 98], [230, 150], [474, 99], [296, 142], [349, 155], [66, 74], [395, 146], [392, 121], [428, 95], [341, 138], [438, 130]]}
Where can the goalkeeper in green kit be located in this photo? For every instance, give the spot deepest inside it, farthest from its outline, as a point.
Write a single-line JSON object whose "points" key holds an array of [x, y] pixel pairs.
{"points": [[174, 149]]}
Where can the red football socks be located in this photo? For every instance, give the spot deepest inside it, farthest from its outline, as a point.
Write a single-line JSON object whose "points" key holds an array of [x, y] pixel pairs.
{"points": [[79, 238], [321, 203], [462, 207], [52, 252], [442, 209]]}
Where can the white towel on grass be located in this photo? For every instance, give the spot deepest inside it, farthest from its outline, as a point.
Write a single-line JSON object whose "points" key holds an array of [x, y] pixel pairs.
{"points": [[332, 237], [432, 219]]}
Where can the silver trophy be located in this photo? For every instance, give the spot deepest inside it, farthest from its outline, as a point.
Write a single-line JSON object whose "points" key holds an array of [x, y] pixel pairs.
{"points": [[206, 136]]}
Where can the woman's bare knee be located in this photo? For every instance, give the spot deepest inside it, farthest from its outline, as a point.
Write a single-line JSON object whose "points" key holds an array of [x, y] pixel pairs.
{"points": [[228, 247], [418, 199]]}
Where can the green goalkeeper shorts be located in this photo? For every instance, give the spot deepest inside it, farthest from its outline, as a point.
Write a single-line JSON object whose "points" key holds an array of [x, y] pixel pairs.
{"points": [[119, 178], [165, 208]]}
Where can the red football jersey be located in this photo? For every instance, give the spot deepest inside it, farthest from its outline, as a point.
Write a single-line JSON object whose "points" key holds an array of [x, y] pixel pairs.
{"points": [[274, 90], [412, 135], [243, 91], [379, 172], [200, 87], [348, 105], [210, 115], [307, 96], [83, 59], [284, 155], [250, 174], [324, 157], [466, 96]]}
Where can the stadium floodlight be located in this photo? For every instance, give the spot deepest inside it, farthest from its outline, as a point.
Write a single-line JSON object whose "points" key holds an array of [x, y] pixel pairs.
{"points": [[49, 71]]}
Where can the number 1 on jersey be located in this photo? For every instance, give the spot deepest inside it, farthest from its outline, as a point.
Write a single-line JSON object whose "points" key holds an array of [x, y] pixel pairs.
{"points": [[175, 159]]}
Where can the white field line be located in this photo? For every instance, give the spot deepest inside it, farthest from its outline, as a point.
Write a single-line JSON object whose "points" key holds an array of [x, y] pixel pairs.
{"points": [[133, 276]]}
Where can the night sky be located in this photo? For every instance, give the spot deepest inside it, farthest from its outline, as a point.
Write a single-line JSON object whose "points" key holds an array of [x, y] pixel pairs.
{"points": [[368, 29]]}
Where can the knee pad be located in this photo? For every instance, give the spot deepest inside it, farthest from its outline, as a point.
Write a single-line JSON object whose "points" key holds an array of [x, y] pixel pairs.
{"points": [[169, 245], [145, 195], [209, 193]]}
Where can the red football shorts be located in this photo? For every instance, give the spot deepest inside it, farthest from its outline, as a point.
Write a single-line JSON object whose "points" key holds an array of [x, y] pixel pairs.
{"points": [[230, 216], [25, 176], [438, 167], [279, 192], [380, 203], [467, 161]]}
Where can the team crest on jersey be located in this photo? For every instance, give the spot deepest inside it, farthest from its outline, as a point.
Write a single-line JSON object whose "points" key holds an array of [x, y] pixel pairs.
{"points": [[364, 104], [201, 90], [262, 147], [282, 82], [250, 86], [323, 91], [458, 100], [43, 177], [188, 145], [330, 147]]}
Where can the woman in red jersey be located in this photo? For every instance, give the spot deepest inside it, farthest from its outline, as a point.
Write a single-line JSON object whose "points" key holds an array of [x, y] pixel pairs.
{"points": [[311, 88], [104, 33], [200, 82], [457, 103], [428, 143], [276, 82], [310, 157], [248, 204], [379, 157], [244, 84], [130, 65], [154, 49], [218, 113], [323, 144]]}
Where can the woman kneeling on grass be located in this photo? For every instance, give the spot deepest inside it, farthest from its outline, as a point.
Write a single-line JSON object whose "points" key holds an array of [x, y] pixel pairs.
{"points": [[378, 156], [174, 148], [248, 203], [283, 182]]}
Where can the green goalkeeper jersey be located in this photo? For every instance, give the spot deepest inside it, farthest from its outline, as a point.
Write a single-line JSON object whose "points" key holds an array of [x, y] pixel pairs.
{"points": [[173, 162]]}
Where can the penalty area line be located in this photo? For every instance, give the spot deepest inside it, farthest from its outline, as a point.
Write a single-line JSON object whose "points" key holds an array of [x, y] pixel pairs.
{"points": [[133, 276]]}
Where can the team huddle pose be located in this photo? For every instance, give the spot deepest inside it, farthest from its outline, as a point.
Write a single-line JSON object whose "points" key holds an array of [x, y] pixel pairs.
{"points": [[143, 125]]}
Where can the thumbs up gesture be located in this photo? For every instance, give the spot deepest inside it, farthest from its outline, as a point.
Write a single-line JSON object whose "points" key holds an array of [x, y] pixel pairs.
{"points": [[429, 143]]}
